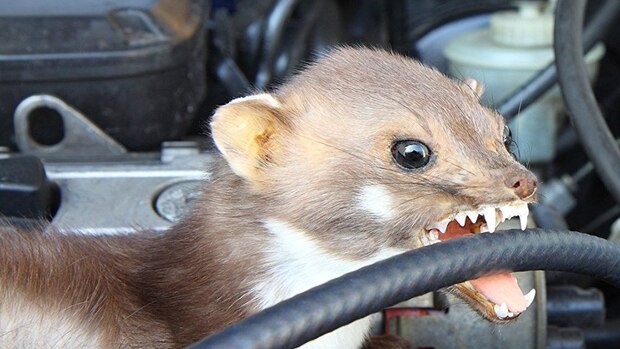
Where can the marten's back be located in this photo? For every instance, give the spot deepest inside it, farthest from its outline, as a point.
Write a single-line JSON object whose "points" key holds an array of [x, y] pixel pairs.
{"points": [[71, 290]]}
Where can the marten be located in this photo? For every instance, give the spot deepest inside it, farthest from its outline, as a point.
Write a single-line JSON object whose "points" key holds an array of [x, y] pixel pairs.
{"points": [[362, 155]]}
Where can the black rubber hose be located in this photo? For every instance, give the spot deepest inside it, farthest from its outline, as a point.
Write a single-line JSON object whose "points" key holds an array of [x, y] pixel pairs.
{"points": [[275, 25], [529, 92], [604, 337], [584, 112], [370, 289]]}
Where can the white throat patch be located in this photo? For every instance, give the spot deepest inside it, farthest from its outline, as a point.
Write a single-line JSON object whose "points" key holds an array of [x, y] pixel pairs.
{"points": [[296, 263], [376, 200]]}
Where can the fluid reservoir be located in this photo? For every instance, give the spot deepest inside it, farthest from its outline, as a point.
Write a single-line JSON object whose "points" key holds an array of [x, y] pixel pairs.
{"points": [[507, 53]]}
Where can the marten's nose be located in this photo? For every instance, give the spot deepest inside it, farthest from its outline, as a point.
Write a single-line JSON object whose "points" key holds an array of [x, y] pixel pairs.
{"points": [[522, 183]]}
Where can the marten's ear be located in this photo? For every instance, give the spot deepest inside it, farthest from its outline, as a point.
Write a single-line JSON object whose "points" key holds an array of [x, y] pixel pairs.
{"points": [[245, 131], [475, 85]]}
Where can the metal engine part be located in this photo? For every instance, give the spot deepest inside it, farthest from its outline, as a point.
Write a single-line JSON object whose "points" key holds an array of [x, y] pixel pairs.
{"points": [[104, 189], [118, 197]]}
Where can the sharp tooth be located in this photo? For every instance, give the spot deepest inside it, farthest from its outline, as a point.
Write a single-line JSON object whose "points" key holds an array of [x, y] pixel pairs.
{"points": [[523, 212], [489, 216], [443, 225], [507, 212], [501, 310], [498, 310], [473, 216], [433, 235], [530, 297], [460, 218]]}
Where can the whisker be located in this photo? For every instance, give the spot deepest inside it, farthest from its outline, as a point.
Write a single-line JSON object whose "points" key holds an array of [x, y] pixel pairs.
{"points": [[459, 166]]}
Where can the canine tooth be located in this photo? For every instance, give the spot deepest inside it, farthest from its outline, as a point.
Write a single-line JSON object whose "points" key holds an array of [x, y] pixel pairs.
{"points": [[530, 297], [473, 216], [460, 218], [489, 216], [523, 212]]}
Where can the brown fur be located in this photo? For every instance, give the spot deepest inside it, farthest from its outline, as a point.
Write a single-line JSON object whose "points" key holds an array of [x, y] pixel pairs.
{"points": [[301, 160], [93, 279]]}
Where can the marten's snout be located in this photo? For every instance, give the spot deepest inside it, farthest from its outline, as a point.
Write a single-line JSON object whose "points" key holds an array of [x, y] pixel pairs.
{"points": [[523, 183]]}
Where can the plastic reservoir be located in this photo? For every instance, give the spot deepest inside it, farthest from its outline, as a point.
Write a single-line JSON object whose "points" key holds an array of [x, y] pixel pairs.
{"points": [[504, 55]]}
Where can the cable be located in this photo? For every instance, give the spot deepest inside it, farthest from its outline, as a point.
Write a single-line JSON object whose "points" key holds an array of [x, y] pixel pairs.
{"points": [[275, 25], [584, 112], [370, 289], [595, 224], [529, 92]]}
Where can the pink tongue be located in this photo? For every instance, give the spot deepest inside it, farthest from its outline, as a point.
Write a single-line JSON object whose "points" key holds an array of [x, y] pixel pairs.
{"points": [[502, 288]]}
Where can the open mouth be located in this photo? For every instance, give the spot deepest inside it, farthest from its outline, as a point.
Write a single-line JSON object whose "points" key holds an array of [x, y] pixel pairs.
{"points": [[499, 296]]}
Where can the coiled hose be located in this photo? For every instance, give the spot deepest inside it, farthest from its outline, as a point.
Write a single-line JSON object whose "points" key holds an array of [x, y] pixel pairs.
{"points": [[370, 289], [584, 112]]}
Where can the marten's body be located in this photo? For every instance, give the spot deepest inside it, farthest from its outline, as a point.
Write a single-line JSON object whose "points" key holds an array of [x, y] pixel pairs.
{"points": [[312, 184]]}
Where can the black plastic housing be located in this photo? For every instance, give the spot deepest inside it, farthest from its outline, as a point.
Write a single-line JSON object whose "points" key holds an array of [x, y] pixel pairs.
{"points": [[25, 191], [136, 68]]}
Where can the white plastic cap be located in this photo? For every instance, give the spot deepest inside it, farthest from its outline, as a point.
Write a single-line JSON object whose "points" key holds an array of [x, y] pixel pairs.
{"points": [[530, 26]]}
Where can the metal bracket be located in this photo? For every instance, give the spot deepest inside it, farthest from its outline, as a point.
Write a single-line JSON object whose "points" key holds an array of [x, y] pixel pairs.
{"points": [[81, 136]]}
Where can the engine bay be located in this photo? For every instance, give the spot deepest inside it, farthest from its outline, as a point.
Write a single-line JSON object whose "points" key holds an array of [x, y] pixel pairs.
{"points": [[105, 110]]}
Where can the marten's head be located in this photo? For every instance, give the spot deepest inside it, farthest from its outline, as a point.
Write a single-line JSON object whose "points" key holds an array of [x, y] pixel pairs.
{"points": [[366, 151]]}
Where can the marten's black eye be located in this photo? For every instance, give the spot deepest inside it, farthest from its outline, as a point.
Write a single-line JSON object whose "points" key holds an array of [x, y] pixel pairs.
{"points": [[411, 154], [507, 137]]}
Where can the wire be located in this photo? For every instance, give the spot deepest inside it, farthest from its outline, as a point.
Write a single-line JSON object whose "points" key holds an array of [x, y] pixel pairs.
{"points": [[276, 23]]}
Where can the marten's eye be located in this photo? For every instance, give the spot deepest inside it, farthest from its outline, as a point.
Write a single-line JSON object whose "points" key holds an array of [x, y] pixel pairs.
{"points": [[411, 154], [507, 137]]}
